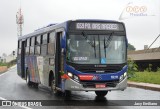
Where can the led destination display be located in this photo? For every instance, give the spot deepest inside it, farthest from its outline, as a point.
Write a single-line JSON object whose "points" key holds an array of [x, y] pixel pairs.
{"points": [[97, 26]]}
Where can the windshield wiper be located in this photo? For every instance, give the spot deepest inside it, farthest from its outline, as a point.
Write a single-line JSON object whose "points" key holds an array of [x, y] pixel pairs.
{"points": [[104, 47], [94, 47], [90, 43], [106, 43]]}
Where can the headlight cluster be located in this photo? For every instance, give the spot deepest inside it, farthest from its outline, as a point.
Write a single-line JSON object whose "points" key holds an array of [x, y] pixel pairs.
{"points": [[74, 77], [122, 76]]}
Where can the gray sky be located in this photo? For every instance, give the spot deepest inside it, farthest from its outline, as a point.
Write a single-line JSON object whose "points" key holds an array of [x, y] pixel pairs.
{"points": [[38, 13]]}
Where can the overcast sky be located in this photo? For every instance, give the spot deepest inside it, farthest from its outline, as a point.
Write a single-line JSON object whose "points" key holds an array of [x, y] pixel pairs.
{"points": [[38, 13]]}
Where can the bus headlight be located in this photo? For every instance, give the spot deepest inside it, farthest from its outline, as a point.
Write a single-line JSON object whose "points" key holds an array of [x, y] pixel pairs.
{"points": [[76, 78], [121, 78], [125, 74], [70, 74]]}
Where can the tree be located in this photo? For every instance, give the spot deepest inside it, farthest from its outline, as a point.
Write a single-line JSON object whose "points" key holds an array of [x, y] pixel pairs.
{"points": [[131, 47], [132, 68]]}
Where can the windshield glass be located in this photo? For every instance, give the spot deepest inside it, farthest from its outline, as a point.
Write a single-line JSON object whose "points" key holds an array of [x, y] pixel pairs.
{"points": [[96, 49]]}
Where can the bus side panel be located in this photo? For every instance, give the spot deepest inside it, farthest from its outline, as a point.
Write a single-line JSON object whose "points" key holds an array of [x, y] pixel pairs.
{"points": [[31, 62], [19, 65], [40, 61], [45, 70]]}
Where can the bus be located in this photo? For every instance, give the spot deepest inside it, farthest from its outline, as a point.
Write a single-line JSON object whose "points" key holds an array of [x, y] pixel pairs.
{"points": [[77, 55]]}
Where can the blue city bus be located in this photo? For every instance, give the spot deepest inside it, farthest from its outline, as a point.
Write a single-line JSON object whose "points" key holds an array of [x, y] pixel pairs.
{"points": [[77, 55]]}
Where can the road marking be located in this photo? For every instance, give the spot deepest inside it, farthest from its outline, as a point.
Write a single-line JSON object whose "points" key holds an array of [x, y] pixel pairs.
{"points": [[8, 70], [1, 98], [4, 73]]}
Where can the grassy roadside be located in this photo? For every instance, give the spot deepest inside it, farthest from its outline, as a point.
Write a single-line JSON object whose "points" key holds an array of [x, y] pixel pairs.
{"points": [[4, 66], [146, 77]]}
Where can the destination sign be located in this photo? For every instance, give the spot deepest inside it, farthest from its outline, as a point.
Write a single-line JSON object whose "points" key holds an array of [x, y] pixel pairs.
{"points": [[97, 26]]}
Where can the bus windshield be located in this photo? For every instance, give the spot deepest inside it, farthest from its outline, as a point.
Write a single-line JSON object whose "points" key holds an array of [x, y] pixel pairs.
{"points": [[96, 49]]}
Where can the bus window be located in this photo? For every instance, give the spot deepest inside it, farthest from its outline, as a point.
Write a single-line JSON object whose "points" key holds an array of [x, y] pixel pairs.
{"points": [[32, 41], [51, 44], [52, 37], [44, 45], [38, 40], [37, 47], [28, 42], [32, 45], [44, 41], [27, 46], [20, 44], [19, 47]]}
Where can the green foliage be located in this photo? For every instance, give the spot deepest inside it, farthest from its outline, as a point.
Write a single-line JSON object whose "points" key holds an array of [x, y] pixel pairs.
{"points": [[149, 69], [9, 64], [158, 69], [132, 68], [3, 64], [147, 77], [131, 47]]}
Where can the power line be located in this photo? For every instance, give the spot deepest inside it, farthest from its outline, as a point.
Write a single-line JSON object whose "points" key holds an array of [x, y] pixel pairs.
{"points": [[153, 42]]}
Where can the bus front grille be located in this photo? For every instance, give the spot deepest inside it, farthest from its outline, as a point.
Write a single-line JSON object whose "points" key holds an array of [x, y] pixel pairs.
{"points": [[92, 84]]}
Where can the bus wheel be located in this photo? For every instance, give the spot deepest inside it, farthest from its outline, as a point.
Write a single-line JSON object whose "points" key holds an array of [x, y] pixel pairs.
{"points": [[67, 93], [29, 83], [36, 85], [53, 88], [101, 93]]}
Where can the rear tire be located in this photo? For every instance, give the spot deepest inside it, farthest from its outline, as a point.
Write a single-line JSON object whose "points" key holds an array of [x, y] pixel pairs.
{"points": [[36, 85], [101, 93], [29, 83]]}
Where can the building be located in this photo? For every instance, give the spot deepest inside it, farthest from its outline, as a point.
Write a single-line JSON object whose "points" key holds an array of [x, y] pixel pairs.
{"points": [[9, 58], [145, 57]]}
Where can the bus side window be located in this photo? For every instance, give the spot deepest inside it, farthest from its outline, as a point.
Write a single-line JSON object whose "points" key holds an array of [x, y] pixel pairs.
{"points": [[32, 43], [19, 47], [44, 45], [27, 46], [51, 43], [37, 45]]}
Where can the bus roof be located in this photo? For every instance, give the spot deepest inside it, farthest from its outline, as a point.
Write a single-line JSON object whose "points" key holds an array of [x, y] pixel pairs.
{"points": [[51, 27], [95, 20], [44, 30]]}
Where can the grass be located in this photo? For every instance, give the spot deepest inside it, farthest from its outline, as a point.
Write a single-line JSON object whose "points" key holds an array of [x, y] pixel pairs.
{"points": [[146, 77], [3, 64], [9, 64]]}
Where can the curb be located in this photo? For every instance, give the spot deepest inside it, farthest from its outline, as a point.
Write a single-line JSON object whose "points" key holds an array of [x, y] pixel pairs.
{"points": [[14, 66], [147, 86]]}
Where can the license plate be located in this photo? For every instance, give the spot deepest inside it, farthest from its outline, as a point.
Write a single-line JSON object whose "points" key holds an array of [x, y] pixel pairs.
{"points": [[100, 85]]}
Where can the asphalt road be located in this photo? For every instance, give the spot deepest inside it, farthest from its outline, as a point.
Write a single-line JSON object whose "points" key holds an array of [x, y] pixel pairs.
{"points": [[12, 87]]}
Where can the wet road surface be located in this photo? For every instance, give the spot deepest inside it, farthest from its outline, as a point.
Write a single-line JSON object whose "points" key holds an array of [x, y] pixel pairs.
{"points": [[12, 87]]}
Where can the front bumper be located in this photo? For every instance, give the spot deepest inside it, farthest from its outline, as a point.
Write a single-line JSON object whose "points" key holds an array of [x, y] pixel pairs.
{"points": [[75, 86]]}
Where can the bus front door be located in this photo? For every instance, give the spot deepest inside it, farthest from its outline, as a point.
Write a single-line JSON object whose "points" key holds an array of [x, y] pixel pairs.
{"points": [[23, 60], [58, 58]]}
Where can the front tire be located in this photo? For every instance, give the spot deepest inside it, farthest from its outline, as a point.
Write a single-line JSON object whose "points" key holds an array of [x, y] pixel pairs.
{"points": [[67, 93], [101, 93], [53, 88]]}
